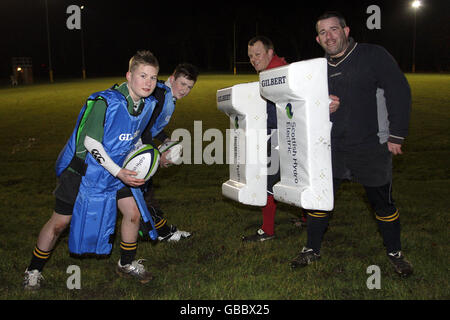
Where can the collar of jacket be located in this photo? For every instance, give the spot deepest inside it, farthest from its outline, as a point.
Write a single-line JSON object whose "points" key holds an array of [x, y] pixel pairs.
{"points": [[336, 61], [167, 83]]}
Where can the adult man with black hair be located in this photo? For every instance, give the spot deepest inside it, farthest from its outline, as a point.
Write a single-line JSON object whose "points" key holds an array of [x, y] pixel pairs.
{"points": [[370, 125]]}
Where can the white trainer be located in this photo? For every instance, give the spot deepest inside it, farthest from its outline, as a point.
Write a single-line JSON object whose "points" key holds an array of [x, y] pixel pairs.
{"points": [[136, 270], [32, 280]]}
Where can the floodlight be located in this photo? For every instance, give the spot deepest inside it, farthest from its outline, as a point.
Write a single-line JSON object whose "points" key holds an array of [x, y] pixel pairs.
{"points": [[416, 4]]}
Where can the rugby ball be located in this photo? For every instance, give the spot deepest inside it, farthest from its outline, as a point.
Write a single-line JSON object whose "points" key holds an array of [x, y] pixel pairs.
{"points": [[175, 150], [144, 160]]}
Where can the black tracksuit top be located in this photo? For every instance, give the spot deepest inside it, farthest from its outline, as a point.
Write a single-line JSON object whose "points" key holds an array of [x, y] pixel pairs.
{"points": [[355, 78]]}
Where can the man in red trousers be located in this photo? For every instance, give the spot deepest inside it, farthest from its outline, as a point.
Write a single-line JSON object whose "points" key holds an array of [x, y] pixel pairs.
{"points": [[262, 56]]}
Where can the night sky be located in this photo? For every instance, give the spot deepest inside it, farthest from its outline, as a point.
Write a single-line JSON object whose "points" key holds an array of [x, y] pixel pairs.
{"points": [[202, 33]]}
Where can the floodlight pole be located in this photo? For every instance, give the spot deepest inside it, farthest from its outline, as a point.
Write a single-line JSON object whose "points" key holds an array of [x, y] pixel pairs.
{"points": [[83, 64], [50, 69], [234, 47], [415, 4], [413, 68]]}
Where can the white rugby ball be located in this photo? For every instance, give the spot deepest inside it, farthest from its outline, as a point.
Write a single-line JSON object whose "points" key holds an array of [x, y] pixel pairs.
{"points": [[175, 150], [144, 160]]}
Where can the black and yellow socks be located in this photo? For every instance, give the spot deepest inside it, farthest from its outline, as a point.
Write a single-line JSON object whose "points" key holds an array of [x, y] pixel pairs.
{"points": [[127, 252], [389, 226], [317, 223], [39, 258]]}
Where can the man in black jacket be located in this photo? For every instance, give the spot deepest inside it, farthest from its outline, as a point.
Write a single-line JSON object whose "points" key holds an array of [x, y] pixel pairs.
{"points": [[370, 126]]}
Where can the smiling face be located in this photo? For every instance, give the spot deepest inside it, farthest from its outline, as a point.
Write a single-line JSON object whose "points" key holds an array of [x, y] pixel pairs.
{"points": [[142, 81], [259, 56], [181, 86], [332, 37]]}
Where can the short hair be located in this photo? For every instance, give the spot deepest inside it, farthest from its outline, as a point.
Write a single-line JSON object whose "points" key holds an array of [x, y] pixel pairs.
{"points": [[144, 57], [332, 14], [268, 44], [187, 70]]}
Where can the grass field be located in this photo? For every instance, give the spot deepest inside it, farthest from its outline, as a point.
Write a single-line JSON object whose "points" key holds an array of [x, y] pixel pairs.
{"points": [[35, 122]]}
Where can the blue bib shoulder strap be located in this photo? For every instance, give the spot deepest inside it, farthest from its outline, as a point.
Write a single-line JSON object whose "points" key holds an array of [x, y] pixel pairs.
{"points": [[145, 213]]}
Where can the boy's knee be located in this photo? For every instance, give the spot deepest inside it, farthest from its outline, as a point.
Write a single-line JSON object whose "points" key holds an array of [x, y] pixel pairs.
{"points": [[59, 223], [132, 214], [60, 226], [130, 210], [135, 217]]}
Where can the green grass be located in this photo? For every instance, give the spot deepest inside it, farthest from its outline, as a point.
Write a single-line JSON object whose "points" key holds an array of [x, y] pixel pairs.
{"points": [[214, 264]]}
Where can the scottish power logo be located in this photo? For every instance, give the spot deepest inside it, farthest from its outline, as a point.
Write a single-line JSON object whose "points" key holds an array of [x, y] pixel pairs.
{"points": [[289, 111]]}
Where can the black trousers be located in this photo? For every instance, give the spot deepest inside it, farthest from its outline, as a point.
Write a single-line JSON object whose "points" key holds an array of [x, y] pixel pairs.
{"points": [[386, 214]]}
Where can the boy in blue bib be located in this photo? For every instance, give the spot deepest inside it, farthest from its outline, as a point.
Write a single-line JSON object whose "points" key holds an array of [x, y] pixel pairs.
{"points": [[89, 174]]}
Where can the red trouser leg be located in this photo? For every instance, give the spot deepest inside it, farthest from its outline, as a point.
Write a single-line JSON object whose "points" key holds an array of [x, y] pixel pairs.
{"points": [[269, 216]]}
